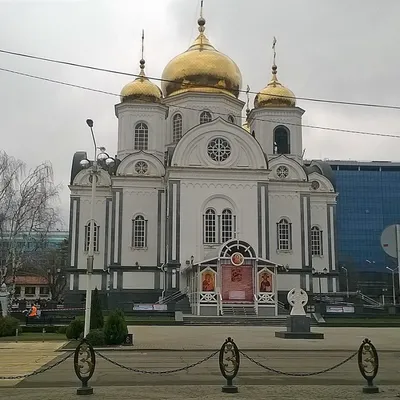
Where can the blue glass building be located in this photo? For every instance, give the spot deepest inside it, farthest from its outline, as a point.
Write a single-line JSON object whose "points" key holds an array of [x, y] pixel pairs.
{"points": [[368, 201]]}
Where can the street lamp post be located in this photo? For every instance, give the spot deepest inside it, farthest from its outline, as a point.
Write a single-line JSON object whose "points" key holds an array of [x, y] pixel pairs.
{"points": [[347, 281], [107, 162], [393, 271]]}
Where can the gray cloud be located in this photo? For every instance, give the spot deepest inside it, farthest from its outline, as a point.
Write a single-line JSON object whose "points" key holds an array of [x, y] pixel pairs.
{"points": [[331, 50]]}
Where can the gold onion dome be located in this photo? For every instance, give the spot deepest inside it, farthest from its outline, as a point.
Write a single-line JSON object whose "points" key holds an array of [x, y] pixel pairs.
{"points": [[141, 88], [201, 68], [275, 94]]}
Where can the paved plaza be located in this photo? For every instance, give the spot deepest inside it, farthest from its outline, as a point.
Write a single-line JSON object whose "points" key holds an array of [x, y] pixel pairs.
{"points": [[258, 337], [158, 349], [205, 393]]}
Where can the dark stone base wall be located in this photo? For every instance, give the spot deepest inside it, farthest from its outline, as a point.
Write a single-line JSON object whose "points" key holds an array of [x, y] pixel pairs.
{"points": [[111, 300]]}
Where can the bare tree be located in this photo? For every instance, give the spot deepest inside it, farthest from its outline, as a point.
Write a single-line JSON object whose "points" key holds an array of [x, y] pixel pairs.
{"points": [[28, 211]]}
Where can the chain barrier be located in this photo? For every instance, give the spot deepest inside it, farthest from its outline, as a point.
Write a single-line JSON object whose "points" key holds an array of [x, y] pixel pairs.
{"points": [[298, 373], [39, 371], [171, 371]]}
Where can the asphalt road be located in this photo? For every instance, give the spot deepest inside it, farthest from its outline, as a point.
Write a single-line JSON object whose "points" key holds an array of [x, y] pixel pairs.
{"points": [[208, 372]]}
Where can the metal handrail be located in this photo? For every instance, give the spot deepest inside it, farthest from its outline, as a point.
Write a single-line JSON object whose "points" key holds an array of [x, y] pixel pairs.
{"points": [[255, 304]]}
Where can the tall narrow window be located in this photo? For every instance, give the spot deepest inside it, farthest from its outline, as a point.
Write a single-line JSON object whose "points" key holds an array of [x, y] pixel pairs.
{"points": [[141, 136], [176, 128], [231, 119], [284, 234], [281, 140], [205, 117], [210, 234], [316, 241], [95, 237], [139, 232], [226, 225]]}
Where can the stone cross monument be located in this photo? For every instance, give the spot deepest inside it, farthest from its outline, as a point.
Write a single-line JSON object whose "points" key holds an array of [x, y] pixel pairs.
{"points": [[298, 323]]}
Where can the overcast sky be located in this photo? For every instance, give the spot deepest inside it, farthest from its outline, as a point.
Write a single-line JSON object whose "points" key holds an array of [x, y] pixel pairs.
{"points": [[338, 50]]}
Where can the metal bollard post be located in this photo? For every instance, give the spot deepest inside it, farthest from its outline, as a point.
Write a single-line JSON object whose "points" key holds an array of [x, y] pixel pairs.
{"points": [[368, 364], [43, 332], [16, 335], [84, 365], [229, 362]]}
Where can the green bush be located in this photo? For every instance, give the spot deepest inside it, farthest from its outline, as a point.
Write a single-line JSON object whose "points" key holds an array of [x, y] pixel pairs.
{"points": [[96, 337], [61, 329], [115, 328], [75, 329], [96, 317], [8, 325]]}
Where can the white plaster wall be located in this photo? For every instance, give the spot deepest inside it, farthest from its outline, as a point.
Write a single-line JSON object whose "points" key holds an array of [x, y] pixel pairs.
{"points": [[195, 104], [142, 201], [324, 284], [99, 217], [285, 204], [129, 114], [95, 282], [319, 218], [288, 282], [138, 280], [197, 193], [264, 120]]}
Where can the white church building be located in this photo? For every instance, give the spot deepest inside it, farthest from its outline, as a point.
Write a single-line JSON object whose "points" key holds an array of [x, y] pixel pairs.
{"points": [[200, 204]]}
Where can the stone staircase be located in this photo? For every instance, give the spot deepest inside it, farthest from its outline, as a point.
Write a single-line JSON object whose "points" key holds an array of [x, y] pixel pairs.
{"points": [[242, 310], [195, 320]]}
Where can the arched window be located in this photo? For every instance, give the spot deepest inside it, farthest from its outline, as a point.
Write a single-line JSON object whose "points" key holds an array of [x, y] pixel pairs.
{"points": [[281, 140], [95, 236], [231, 119], [210, 228], [226, 225], [141, 136], [316, 241], [139, 232], [176, 128], [284, 234], [205, 117]]}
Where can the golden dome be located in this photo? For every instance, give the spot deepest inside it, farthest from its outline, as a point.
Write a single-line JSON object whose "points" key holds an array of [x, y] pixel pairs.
{"points": [[201, 68], [275, 94], [141, 88]]}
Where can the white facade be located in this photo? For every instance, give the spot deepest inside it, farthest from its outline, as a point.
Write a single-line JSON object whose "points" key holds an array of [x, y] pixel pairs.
{"points": [[154, 233]]}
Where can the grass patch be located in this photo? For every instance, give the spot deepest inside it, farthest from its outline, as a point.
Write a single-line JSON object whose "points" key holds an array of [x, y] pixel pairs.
{"points": [[35, 337]]}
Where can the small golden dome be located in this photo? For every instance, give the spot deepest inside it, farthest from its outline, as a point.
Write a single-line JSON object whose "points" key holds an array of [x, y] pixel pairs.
{"points": [[275, 94], [141, 88], [201, 68]]}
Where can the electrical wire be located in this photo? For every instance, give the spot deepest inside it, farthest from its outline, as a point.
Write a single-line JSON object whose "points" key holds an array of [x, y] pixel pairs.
{"points": [[197, 109], [112, 71]]}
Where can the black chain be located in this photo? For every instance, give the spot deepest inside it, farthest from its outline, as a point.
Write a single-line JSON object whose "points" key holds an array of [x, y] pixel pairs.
{"points": [[39, 371], [171, 371], [298, 373]]}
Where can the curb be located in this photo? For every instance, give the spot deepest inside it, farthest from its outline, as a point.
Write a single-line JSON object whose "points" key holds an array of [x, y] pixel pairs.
{"points": [[164, 350]]}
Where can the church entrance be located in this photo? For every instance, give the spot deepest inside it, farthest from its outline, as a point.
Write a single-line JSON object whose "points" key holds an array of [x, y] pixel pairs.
{"points": [[232, 276]]}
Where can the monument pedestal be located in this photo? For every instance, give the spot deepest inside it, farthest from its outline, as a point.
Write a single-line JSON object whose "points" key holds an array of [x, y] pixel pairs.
{"points": [[298, 327]]}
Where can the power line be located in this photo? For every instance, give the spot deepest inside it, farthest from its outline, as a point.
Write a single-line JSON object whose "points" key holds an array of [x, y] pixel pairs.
{"points": [[112, 71], [196, 109]]}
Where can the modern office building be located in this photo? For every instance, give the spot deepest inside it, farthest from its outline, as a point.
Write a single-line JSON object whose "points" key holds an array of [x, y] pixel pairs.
{"points": [[368, 201]]}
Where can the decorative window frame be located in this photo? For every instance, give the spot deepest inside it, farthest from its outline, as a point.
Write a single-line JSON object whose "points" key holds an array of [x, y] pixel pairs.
{"points": [[87, 237], [320, 253], [146, 147], [279, 241], [173, 127], [145, 234]]}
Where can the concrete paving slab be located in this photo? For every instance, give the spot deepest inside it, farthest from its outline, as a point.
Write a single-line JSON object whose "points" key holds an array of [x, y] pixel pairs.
{"points": [[322, 392], [25, 357], [258, 337]]}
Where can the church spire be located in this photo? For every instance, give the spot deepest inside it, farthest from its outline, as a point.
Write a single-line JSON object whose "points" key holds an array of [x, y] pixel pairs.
{"points": [[142, 60]]}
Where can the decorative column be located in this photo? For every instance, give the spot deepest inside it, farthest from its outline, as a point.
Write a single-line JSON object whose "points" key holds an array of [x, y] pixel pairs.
{"points": [[4, 295]]}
